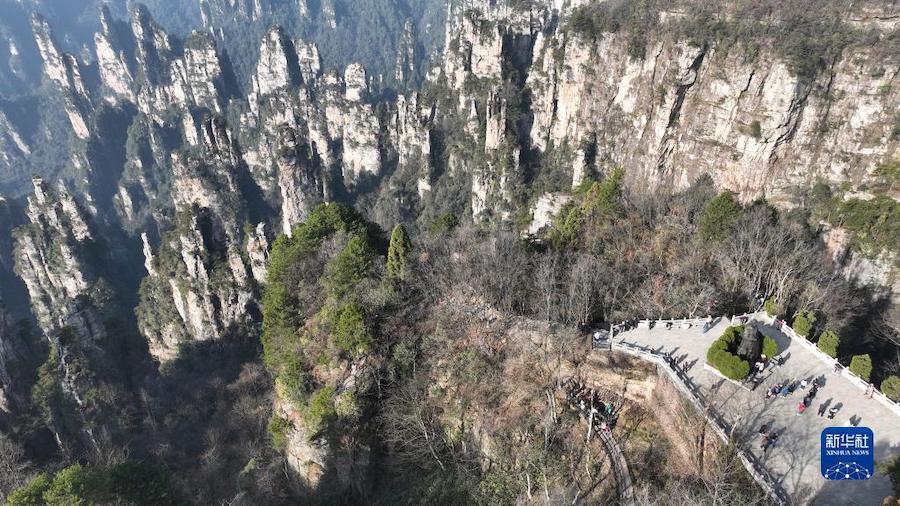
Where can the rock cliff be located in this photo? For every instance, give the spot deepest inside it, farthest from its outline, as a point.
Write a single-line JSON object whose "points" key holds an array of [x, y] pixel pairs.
{"points": [[522, 108], [50, 255]]}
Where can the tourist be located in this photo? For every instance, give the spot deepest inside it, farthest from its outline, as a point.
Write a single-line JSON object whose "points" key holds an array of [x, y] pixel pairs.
{"points": [[838, 368], [822, 408], [792, 386], [831, 412], [870, 390], [801, 407]]}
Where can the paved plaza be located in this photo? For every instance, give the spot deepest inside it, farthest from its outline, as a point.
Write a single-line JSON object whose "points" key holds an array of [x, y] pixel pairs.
{"points": [[794, 460]]}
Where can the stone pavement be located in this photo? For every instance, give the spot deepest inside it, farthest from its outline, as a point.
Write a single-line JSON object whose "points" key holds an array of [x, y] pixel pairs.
{"points": [[794, 460]]}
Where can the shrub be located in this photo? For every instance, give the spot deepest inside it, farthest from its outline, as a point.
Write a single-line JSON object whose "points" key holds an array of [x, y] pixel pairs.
{"points": [[346, 406], [771, 307], [721, 354], [566, 226], [444, 225], [350, 332], [134, 483], [803, 323], [30, 494], [320, 411], [891, 388], [770, 347], [604, 197], [142, 484], [348, 268], [398, 251], [278, 428], [718, 218], [293, 377], [75, 486], [829, 342], [756, 129], [861, 365], [498, 488], [891, 468]]}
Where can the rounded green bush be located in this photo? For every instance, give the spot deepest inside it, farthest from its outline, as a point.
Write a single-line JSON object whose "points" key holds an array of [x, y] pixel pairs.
{"points": [[861, 365], [803, 323], [721, 357], [829, 342], [891, 388], [770, 347]]}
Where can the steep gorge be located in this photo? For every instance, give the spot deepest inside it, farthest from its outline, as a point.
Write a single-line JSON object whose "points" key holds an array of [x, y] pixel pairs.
{"points": [[521, 110]]}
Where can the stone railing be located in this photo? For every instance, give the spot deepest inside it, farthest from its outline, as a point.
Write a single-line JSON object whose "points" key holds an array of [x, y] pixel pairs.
{"points": [[833, 362], [721, 427], [681, 323]]}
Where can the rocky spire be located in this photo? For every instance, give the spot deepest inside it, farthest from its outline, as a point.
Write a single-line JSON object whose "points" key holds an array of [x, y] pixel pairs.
{"points": [[49, 255], [309, 60], [64, 71], [112, 61], [273, 69], [405, 68], [153, 47]]}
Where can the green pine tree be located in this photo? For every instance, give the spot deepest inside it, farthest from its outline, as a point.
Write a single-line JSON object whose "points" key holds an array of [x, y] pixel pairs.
{"points": [[398, 251]]}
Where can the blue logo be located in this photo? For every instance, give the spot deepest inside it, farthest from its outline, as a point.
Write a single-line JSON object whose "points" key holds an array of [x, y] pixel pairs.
{"points": [[848, 453]]}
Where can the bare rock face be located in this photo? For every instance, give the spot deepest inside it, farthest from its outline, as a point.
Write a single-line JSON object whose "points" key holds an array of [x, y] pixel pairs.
{"points": [[13, 144], [299, 179], [309, 60], [49, 255], [547, 206], [683, 110], [258, 253], [406, 55], [877, 273], [200, 283], [273, 70], [411, 138], [56, 254], [112, 62], [356, 82], [64, 71]]}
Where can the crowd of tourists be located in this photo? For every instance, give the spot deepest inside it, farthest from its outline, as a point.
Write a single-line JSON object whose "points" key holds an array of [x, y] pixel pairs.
{"points": [[590, 404]]}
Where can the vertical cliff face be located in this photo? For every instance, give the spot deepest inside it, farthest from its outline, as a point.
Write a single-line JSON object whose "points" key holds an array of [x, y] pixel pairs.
{"points": [[64, 71], [58, 254], [9, 353], [203, 269], [50, 255], [682, 110]]}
